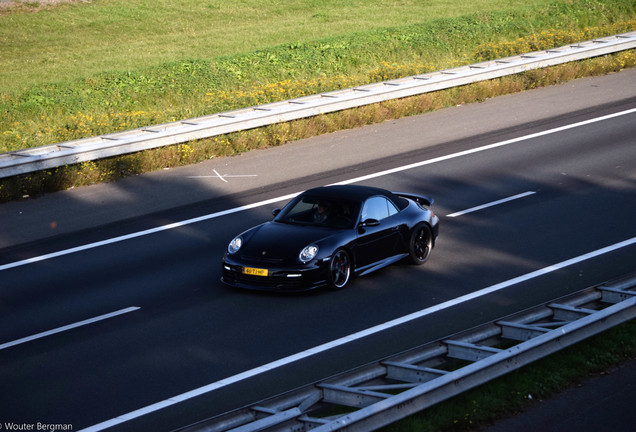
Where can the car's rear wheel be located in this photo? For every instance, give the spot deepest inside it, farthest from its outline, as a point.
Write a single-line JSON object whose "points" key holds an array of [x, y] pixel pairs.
{"points": [[421, 244], [339, 272]]}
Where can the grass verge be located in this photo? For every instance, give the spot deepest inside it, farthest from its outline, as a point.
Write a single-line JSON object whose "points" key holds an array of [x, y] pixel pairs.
{"points": [[510, 394], [53, 112], [86, 173], [67, 75]]}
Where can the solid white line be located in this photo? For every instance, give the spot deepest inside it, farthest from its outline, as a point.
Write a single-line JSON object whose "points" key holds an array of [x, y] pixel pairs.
{"points": [[491, 204], [144, 233], [69, 327], [287, 197], [355, 336], [489, 147]]}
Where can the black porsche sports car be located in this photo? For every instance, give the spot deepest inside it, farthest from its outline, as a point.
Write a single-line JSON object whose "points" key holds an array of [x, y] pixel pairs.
{"points": [[327, 235]]}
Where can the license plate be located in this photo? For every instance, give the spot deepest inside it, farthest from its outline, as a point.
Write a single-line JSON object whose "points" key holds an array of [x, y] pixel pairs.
{"points": [[255, 271]]}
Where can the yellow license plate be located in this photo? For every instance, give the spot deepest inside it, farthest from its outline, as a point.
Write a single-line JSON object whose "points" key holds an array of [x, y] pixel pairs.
{"points": [[255, 271]]}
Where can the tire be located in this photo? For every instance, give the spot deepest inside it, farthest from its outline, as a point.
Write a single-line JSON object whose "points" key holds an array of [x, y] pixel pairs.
{"points": [[421, 244], [339, 270]]}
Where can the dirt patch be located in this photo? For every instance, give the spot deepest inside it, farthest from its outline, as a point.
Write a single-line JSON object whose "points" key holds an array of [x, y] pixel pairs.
{"points": [[32, 5]]}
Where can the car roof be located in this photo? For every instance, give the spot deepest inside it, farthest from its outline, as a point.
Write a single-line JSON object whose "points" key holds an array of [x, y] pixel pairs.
{"points": [[355, 192]]}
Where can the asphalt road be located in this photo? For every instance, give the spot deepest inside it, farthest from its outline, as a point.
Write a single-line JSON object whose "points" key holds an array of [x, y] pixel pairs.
{"points": [[569, 172]]}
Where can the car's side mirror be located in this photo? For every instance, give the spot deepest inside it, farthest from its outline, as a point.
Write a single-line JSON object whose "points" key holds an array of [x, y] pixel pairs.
{"points": [[275, 212], [369, 223]]}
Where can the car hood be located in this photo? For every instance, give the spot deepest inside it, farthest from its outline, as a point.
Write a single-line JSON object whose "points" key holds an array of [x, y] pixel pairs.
{"points": [[280, 242]]}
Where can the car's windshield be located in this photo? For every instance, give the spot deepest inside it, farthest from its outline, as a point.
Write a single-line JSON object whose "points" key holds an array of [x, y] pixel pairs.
{"points": [[321, 211]]}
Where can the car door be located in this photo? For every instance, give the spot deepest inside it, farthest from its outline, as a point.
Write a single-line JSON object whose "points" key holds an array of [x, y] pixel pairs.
{"points": [[377, 241]]}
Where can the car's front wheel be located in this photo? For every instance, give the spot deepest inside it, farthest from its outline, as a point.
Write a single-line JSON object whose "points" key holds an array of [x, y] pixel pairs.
{"points": [[339, 271], [421, 244]]}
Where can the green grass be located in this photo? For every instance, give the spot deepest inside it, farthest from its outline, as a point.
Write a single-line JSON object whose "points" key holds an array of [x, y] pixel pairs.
{"points": [[85, 69], [83, 39]]}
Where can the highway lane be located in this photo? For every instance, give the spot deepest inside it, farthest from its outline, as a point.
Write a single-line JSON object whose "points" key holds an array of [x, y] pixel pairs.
{"points": [[191, 331], [320, 157]]}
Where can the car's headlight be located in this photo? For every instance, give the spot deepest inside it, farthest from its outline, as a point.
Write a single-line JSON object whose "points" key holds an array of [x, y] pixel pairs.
{"points": [[308, 253], [235, 245]]}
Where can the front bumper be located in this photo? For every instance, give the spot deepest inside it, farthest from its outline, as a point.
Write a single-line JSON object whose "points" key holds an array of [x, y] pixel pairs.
{"points": [[278, 279]]}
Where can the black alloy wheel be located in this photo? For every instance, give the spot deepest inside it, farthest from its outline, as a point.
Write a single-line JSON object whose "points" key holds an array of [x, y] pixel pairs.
{"points": [[421, 244], [339, 270]]}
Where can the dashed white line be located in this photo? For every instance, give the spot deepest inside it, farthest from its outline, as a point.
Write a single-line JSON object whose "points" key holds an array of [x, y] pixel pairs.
{"points": [[355, 336], [491, 204], [69, 327]]}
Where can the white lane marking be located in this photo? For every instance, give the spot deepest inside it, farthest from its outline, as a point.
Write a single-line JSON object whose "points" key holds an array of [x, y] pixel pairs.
{"points": [[220, 176], [69, 327], [144, 233], [355, 336], [287, 197], [489, 147], [223, 177], [491, 204]]}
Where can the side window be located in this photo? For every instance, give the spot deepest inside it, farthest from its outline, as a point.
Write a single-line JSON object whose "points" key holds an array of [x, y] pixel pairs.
{"points": [[378, 208], [392, 208]]}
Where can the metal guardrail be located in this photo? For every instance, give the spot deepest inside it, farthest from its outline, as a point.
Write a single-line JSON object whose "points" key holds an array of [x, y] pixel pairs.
{"points": [[82, 150], [430, 374]]}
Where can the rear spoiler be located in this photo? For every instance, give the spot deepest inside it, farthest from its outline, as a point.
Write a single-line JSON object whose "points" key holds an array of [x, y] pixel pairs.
{"points": [[420, 199]]}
